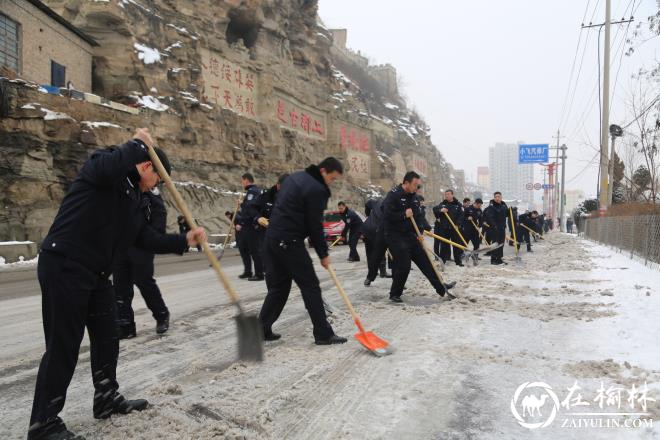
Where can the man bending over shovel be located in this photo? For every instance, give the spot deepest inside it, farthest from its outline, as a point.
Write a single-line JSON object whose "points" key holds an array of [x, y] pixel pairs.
{"points": [[298, 214], [400, 205], [99, 219]]}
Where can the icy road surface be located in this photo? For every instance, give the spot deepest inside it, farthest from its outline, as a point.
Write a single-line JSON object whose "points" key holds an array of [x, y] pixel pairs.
{"points": [[571, 313]]}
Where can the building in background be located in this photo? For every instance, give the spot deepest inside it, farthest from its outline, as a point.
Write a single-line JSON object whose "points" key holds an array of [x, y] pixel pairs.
{"points": [[483, 178], [509, 177], [39, 45], [573, 198]]}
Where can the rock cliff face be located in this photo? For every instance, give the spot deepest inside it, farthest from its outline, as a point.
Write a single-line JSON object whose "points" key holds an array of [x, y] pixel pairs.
{"points": [[225, 87]]}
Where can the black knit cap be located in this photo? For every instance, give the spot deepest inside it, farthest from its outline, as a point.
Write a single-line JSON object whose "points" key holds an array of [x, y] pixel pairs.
{"points": [[164, 160]]}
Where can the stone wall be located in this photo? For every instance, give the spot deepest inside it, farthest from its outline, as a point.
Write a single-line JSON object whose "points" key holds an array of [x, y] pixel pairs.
{"points": [[225, 87]]}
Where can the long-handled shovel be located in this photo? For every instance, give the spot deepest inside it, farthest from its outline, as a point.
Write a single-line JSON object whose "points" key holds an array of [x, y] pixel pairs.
{"points": [[231, 227], [335, 242], [483, 237], [469, 252], [435, 269], [456, 229], [465, 255], [534, 233], [368, 339], [250, 332], [515, 239]]}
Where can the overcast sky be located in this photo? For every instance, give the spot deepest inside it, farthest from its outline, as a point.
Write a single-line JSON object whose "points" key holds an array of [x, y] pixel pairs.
{"points": [[485, 71]]}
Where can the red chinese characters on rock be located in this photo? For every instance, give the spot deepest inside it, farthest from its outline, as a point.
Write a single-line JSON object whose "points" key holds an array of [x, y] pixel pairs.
{"points": [[353, 140], [358, 164], [420, 165], [297, 119], [232, 87]]}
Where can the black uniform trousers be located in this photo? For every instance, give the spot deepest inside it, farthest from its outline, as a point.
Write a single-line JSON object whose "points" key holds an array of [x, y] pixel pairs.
{"points": [[254, 248], [375, 247], [495, 235], [354, 233], [141, 274], [73, 298], [404, 251], [244, 250], [524, 237], [472, 236], [286, 263], [444, 250]]}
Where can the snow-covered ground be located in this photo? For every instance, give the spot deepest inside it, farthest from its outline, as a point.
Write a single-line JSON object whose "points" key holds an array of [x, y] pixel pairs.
{"points": [[571, 312]]}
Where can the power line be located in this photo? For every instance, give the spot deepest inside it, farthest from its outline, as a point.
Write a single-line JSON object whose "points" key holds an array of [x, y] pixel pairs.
{"points": [[588, 108], [623, 42], [577, 79], [570, 77]]}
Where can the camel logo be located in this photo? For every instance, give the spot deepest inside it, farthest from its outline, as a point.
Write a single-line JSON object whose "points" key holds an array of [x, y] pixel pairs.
{"points": [[535, 412]]}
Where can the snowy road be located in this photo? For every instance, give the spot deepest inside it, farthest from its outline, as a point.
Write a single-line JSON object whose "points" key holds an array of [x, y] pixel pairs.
{"points": [[569, 313]]}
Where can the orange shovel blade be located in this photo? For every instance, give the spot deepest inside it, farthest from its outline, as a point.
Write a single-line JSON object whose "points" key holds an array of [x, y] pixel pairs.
{"points": [[373, 343]]}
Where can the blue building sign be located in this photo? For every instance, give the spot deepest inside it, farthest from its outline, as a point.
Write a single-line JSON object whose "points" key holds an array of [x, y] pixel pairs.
{"points": [[533, 153]]}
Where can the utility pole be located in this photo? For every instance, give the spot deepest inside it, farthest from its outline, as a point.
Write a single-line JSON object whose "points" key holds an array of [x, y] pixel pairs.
{"points": [[606, 179], [562, 207], [604, 184], [615, 132], [545, 191], [555, 189]]}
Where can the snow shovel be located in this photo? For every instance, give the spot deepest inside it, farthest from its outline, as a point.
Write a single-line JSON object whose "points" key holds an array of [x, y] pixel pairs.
{"points": [[335, 242], [369, 340], [479, 232], [534, 233], [435, 269], [470, 252], [467, 253], [515, 239], [456, 229], [250, 332], [231, 227]]}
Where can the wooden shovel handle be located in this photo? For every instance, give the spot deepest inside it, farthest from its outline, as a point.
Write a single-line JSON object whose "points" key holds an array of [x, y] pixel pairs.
{"points": [[426, 251], [479, 232], [455, 228], [444, 240], [233, 218], [193, 225], [513, 227], [344, 296]]}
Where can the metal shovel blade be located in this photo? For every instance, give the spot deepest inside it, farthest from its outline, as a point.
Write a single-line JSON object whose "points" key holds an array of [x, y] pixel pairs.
{"points": [[373, 343], [250, 338], [489, 248]]}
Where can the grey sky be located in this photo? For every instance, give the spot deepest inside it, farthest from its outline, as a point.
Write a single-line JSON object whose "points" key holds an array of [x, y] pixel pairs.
{"points": [[485, 71]]}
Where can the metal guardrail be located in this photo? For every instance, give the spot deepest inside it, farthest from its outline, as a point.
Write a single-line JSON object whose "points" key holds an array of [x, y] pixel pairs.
{"points": [[638, 236]]}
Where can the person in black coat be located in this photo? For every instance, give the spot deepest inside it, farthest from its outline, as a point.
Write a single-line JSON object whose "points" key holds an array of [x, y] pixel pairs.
{"points": [[264, 205], [400, 205], [137, 267], [99, 219], [248, 230], [444, 228], [473, 216], [352, 229], [374, 240], [298, 214], [495, 220], [528, 219]]}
